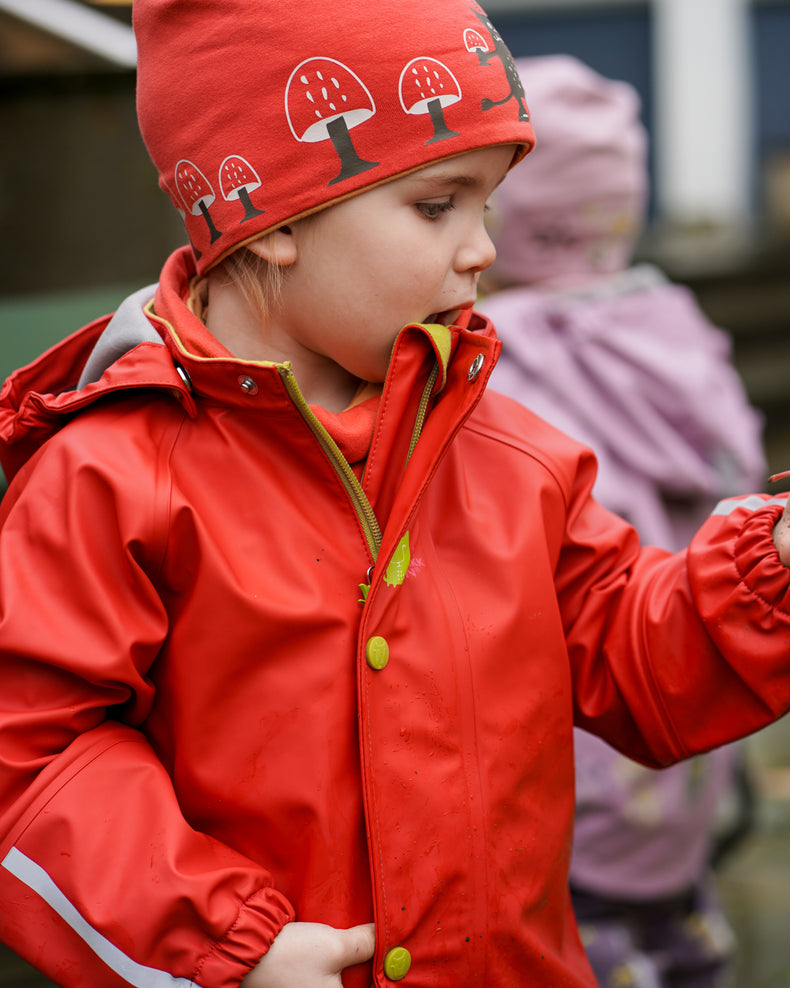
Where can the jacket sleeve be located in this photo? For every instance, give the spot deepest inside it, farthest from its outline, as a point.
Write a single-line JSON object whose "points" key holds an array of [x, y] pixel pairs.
{"points": [[672, 655], [103, 882]]}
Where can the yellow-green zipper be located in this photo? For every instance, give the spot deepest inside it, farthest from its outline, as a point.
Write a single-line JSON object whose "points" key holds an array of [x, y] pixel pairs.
{"points": [[423, 408], [370, 525], [365, 513]]}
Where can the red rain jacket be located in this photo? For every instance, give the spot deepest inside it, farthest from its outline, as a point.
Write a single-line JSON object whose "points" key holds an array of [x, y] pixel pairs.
{"points": [[208, 727]]}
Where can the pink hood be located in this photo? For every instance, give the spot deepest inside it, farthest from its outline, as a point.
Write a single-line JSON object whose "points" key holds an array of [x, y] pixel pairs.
{"points": [[635, 370]]}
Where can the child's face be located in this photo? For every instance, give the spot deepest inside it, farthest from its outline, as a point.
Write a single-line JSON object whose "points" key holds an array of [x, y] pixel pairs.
{"points": [[411, 250]]}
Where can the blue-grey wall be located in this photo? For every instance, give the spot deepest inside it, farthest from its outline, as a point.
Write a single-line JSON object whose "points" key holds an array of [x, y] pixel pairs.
{"points": [[615, 41], [771, 35]]}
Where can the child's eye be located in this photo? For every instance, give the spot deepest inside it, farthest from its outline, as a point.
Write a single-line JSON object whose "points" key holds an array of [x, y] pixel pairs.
{"points": [[433, 210]]}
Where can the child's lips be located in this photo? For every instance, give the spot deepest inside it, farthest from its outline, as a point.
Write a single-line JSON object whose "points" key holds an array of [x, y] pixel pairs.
{"points": [[448, 316]]}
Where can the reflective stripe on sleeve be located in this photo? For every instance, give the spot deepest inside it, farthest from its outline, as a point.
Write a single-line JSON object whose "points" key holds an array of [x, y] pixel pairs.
{"points": [[36, 879], [751, 503]]}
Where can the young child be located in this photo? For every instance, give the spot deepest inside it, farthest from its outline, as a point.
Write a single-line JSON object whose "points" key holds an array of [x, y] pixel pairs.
{"points": [[296, 620], [626, 362]]}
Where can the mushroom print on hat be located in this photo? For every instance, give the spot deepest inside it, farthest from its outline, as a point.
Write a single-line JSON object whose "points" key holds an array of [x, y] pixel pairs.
{"points": [[501, 52], [256, 112], [426, 86], [323, 101], [196, 193], [237, 180]]}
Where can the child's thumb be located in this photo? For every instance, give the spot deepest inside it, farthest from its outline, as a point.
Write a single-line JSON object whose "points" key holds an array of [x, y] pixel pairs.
{"points": [[781, 535], [359, 943]]}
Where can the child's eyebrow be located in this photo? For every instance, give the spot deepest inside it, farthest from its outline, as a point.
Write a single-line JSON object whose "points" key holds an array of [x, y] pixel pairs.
{"points": [[453, 178], [448, 178]]}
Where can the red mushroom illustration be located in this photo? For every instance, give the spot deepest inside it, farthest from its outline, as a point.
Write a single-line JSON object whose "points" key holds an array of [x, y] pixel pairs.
{"points": [[324, 100], [427, 86], [196, 192], [237, 179], [474, 41], [179, 209], [177, 204]]}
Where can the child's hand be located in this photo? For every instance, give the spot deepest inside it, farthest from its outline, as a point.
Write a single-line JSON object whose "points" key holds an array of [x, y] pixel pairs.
{"points": [[782, 535], [311, 955]]}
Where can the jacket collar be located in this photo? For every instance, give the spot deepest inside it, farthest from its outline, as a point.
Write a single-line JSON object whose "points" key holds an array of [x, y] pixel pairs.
{"points": [[139, 347]]}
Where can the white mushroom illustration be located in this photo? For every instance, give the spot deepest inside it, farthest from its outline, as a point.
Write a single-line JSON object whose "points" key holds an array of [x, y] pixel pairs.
{"points": [[237, 179], [196, 193], [427, 86], [324, 100], [474, 40]]}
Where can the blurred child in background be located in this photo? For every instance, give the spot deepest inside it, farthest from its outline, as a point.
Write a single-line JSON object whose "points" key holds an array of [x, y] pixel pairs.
{"points": [[625, 361]]}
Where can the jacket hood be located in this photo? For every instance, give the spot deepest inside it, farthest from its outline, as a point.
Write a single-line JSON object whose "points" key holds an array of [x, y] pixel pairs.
{"points": [[112, 354], [128, 328]]}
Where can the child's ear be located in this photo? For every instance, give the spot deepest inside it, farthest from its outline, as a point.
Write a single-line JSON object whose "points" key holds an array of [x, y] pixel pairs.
{"points": [[277, 247]]}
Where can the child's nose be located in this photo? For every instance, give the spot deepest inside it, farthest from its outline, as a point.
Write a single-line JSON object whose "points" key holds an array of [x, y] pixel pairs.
{"points": [[478, 252]]}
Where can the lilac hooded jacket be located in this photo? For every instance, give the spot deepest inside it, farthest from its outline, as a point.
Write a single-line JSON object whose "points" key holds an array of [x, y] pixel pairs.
{"points": [[631, 366]]}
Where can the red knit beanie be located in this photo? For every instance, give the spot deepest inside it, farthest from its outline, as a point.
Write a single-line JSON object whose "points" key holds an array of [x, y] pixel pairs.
{"points": [[256, 112]]}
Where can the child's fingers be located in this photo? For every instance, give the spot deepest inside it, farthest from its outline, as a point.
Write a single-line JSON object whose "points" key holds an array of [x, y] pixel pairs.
{"points": [[781, 535], [359, 943], [311, 955]]}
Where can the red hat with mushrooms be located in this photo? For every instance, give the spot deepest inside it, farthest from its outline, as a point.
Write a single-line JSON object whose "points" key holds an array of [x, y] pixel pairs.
{"points": [[256, 112]]}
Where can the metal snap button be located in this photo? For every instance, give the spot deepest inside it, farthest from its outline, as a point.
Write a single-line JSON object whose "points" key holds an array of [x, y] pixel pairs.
{"points": [[184, 377], [248, 384], [476, 367]]}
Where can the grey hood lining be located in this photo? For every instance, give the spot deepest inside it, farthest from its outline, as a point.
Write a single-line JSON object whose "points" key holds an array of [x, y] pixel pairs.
{"points": [[128, 328]]}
